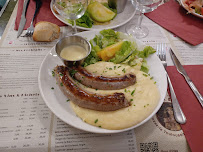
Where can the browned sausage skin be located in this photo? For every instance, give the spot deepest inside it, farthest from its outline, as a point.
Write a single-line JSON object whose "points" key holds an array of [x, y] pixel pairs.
{"points": [[101, 82], [86, 99]]}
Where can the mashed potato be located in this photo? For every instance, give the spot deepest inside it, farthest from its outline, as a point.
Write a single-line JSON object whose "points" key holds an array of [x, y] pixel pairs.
{"points": [[144, 95]]}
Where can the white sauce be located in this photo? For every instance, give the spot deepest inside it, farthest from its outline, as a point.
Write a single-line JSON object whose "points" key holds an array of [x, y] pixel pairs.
{"points": [[145, 99], [73, 52]]}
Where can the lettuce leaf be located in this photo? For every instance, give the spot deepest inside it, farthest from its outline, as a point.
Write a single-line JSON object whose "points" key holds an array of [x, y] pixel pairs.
{"points": [[144, 66], [110, 37], [84, 21], [123, 53], [146, 52], [128, 54], [92, 57]]}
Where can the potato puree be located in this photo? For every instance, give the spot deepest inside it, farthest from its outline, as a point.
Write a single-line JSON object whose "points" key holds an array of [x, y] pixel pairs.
{"points": [[144, 93]]}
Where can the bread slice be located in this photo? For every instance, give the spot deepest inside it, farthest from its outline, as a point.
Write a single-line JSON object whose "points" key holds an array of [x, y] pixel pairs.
{"points": [[46, 32]]}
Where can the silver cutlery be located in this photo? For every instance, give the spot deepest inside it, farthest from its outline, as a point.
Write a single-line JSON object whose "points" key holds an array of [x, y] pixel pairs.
{"points": [[23, 18], [178, 113], [181, 70], [30, 30]]}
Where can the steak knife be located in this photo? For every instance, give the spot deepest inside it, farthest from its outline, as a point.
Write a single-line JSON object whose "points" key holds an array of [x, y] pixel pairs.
{"points": [[181, 70], [23, 19]]}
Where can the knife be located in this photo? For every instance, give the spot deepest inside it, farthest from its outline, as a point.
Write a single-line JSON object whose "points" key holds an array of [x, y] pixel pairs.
{"points": [[181, 70], [23, 19]]}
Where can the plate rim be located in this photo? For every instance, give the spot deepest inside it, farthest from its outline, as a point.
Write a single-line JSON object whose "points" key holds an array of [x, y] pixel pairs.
{"points": [[103, 131], [195, 14], [89, 29]]}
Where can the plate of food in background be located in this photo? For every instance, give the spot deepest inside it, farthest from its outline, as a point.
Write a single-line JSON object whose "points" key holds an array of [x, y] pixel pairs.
{"points": [[91, 21], [195, 7], [127, 84]]}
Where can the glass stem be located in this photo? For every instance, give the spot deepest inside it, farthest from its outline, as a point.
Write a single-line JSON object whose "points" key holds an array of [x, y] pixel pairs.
{"points": [[74, 27], [140, 20]]}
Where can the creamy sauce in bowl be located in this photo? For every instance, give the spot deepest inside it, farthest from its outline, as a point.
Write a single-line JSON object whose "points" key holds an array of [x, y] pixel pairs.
{"points": [[73, 52]]}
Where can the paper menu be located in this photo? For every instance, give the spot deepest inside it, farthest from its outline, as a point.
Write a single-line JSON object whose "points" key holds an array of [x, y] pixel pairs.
{"points": [[189, 55], [67, 138], [164, 133]]}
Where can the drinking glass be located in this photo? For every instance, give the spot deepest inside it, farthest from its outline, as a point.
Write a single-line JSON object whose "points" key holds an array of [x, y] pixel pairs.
{"points": [[143, 6], [71, 9]]}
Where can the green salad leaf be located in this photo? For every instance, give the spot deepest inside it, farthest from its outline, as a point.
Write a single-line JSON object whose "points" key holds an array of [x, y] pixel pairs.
{"points": [[109, 37], [92, 57], [128, 54], [124, 52], [63, 4], [84, 21], [146, 52]]}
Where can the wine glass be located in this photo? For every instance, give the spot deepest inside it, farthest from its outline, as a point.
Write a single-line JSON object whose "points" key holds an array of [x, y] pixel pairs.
{"points": [[71, 9], [143, 6]]}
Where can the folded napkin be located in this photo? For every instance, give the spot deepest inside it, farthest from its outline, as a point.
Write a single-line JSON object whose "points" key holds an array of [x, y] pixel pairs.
{"points": [[44, 14], [175, 19], [193, 129]]}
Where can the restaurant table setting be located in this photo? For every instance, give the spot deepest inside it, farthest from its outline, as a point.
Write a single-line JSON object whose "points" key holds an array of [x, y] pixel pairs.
{"points": [[32, 121]]}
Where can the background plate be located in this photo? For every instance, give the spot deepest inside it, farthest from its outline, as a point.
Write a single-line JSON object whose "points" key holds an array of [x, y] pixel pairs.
{"points": [[56, 100], [119, 20], [198, 15]]}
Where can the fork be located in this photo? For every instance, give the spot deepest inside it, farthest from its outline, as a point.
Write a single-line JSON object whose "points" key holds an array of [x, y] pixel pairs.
{"points": [[30, 30], [178, 113]]}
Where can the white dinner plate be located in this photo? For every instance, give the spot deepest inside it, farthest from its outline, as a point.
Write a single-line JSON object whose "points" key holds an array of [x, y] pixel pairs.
{"points": [[56, 100], [193, 13], [119, 20]]}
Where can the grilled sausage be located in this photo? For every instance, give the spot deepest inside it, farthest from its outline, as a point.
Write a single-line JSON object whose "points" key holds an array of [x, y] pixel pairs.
{"points": [[86, 99], [101, 82]]}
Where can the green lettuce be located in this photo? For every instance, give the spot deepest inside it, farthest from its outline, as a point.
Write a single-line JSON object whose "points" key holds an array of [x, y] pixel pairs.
{"points": [[124, 52], [128, 54], [84, 21], [109, 37], [146, 52], [144, 66]]}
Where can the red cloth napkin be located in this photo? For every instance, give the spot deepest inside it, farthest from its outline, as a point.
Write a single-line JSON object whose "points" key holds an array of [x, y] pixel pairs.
{"points": [[175, 19], [44, 14], [193, 129]]}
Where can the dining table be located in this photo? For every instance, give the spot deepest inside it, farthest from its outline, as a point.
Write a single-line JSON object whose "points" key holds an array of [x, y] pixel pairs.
{"points": [[27, 124]]}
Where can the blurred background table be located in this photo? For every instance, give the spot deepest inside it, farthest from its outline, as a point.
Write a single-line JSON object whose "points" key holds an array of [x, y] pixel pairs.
{"points": [[6, 15]]}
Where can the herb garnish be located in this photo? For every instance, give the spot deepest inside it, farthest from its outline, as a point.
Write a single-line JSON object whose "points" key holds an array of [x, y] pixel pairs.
{"points": [[96, 121], [132, 93], [53, 73], [124, 70], [72, 72]]}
